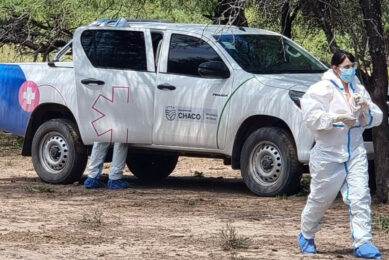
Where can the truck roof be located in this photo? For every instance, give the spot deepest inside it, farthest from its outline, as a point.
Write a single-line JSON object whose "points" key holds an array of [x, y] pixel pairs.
{"points": [[157, 24]]}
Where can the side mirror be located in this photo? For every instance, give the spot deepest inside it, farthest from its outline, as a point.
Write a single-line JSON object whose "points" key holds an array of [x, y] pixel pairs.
{"points": [[213, 69]]}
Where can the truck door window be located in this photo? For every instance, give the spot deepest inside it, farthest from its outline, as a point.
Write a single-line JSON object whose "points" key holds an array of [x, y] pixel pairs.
{"points": [[115, 49], [269, 54], [186, 53]]}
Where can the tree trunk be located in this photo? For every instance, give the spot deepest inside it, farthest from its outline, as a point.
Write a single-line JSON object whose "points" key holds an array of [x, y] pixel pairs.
{"points": [[288, 14], [373, 25]]}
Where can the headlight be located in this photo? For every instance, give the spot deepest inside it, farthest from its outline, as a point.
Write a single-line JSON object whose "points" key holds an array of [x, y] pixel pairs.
{"points": [[295, 96]]}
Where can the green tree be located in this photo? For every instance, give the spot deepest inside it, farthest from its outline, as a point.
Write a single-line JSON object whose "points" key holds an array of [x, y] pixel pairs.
{"points": [[362, 28], [38, 27], [374, 31]]}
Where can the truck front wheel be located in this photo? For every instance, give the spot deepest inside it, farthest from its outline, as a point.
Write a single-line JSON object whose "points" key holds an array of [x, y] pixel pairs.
{"points": [[58, 155], [269, 164], [151, 167]]}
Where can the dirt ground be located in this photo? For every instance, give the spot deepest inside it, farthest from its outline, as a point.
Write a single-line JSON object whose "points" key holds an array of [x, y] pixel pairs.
{"points": [[182, 217]]}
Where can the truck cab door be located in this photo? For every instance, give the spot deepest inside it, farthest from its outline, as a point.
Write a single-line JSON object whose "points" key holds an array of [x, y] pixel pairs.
{"points": [[190, 110], [115, 78]]}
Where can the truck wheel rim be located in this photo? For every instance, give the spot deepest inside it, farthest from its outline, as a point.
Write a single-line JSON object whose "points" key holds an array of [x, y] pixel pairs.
{"points": [[266, 163], [54, 152]]}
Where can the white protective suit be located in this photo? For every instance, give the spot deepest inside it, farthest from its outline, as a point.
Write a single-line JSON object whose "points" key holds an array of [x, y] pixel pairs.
{"points": [[338, 161], [99, 152]]}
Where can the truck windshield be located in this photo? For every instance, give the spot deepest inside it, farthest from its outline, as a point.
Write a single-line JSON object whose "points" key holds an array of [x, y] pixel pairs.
{"points": [[269, 54]]}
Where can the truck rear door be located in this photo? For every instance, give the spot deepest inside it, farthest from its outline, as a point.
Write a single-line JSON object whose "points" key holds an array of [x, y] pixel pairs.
{"points": [[115, 79]]}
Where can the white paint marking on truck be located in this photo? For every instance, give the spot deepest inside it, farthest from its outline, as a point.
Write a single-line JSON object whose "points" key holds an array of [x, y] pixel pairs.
{"points": [[29, 95]]}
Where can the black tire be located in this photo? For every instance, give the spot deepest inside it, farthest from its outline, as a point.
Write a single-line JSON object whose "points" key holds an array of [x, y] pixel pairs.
{"points": [[372, 184], [58, 154], [151, 167], [269, 163]]}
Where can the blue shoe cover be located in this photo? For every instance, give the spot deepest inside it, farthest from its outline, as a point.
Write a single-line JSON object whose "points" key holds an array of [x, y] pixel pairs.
{"points": [[307, 246], [91, 183], [118, 184], [367, 250]]}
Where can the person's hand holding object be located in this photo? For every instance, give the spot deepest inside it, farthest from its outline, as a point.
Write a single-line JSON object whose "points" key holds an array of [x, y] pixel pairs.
{"points": [[347, 119], [358, 102]]}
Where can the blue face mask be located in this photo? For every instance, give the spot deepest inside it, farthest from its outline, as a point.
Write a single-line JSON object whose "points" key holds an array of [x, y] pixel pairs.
{"points": [[347, 75]]}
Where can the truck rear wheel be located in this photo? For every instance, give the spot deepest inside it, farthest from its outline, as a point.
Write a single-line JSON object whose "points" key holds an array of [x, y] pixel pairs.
{"points": [[269, 164], [151, 167], [58, 154]]}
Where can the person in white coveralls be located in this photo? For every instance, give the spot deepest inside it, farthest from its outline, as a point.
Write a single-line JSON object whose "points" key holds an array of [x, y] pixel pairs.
{"points": [[337, 110], [100, 150]]}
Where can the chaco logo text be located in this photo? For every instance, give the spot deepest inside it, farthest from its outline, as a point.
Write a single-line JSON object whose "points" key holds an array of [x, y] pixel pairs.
{"points": [[190, 114], [170, 113]]}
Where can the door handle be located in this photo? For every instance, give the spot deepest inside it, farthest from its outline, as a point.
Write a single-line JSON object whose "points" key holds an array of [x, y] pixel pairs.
{"points": [[166, 86], [92, 81]]}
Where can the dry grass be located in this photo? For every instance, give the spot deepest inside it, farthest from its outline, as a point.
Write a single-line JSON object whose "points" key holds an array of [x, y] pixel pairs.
{"points": [[8, 54], [10, 145], [91, 219], [39, 188], [381, 222], [229, 239], [8, 163]]}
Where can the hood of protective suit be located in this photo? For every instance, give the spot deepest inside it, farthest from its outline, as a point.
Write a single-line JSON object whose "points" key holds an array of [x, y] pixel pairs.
{"points": [[329, 74], [298, 82]]}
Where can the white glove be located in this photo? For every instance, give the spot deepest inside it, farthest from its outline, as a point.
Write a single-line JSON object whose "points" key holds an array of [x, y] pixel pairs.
{"points": [[347, 119], [358, 102]]}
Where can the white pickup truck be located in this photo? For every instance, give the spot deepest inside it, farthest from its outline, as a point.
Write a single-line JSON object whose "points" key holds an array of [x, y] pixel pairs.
{"points": [[167, 90]]}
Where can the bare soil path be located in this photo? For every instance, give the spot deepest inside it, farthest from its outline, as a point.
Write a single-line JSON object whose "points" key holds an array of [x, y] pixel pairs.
{"points": [[180, 218]]}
